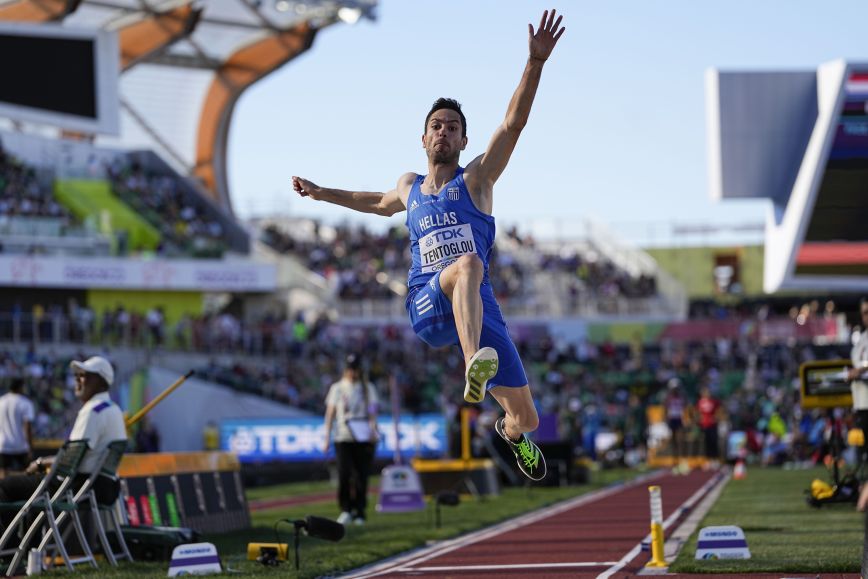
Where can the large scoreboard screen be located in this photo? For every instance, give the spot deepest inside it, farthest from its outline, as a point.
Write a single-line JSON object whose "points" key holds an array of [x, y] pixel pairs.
{"points": [[59, 76]]}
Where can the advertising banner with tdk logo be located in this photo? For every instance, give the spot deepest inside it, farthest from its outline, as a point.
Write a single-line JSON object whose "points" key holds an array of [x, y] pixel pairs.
{"points": [[301, 439]]}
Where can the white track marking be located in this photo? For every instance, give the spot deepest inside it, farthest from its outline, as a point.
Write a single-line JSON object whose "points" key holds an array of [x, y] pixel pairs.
{"points": [[694, 498], [507, 567]]}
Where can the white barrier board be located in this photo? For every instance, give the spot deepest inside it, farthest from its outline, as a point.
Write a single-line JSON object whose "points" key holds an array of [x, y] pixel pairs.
{"points": [[195, 559], [726, 542]]}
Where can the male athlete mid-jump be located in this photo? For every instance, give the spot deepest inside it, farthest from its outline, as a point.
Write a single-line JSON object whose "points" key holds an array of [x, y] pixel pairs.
{"points": [[450, 300]]}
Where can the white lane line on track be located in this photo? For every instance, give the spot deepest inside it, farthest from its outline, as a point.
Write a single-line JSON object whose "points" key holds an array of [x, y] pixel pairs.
{"points": [[405, 562], [694, 498], [540, 566]]}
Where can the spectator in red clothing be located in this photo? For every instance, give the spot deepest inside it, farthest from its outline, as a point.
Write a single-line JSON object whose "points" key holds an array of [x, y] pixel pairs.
{"points": [[709, 409]]}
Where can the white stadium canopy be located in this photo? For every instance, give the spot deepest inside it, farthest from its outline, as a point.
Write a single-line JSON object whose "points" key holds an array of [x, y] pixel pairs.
{"points": [[184, 64]]}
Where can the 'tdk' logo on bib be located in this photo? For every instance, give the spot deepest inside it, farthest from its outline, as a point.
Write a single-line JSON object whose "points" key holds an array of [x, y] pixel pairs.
{"points": [[443, 246]]}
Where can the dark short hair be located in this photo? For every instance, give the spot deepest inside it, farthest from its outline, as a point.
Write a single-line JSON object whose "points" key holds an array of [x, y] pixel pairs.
{"points": [[353, 362], [17, 384], [452, 105]]}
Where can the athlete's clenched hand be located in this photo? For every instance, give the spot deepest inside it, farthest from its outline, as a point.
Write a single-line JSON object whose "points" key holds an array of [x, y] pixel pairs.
{"points": [[306, 188]]}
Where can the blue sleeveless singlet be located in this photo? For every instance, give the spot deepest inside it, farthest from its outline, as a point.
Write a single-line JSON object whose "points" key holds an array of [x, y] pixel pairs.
{"points": [[445, 226]]}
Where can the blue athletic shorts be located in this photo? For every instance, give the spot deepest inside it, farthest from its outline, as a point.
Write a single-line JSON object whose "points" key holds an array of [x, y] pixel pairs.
{"points": [[431, 317]]}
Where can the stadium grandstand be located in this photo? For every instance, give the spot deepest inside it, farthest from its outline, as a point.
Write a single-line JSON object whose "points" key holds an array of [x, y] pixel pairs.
{"points": [[118, 238], [594, 276], [800, 142]]}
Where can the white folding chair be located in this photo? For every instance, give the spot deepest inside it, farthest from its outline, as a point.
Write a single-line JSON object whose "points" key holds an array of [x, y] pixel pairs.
{"points": [[85, 496], [112, 459], [59, 478]]}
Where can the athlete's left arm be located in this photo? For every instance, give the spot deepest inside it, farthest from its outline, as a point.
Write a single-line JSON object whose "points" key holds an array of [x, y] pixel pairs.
{"points": [[484, 170]]}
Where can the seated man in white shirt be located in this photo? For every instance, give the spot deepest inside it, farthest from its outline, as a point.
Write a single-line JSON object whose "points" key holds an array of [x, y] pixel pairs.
{"points": [[100, 421]]}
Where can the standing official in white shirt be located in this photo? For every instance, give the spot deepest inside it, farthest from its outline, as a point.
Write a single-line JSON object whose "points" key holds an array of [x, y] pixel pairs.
{"points": [[858, 376], [16, 428], [351, 404]]}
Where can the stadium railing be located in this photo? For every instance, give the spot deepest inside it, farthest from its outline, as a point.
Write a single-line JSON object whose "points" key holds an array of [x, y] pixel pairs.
{"points": [[25, 235], [585, 305]]}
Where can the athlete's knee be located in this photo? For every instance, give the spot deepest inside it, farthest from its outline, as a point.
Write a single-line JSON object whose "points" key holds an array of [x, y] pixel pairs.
{"points": [[470, 265]]}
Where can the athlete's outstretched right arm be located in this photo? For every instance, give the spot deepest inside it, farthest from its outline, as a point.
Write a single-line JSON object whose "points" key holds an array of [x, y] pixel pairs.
{"points": [[387, 203]]}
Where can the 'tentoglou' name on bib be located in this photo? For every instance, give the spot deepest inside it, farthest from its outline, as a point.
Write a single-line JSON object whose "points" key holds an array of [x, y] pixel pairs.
{"points": [[443, 246]]}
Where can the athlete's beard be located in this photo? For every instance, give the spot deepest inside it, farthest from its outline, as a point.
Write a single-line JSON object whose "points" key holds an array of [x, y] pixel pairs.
{"points": [[444, 157]]}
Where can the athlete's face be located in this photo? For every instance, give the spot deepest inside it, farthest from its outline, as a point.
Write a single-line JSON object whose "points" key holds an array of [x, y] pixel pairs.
{"points": [[442, 140]]}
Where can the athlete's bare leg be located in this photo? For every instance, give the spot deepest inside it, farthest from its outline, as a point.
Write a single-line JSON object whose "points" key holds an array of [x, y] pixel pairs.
{"points": [[460, 281], [521, 415]]}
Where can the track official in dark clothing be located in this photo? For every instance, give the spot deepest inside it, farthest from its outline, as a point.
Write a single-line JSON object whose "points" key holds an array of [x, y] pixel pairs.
{"points": [[351, 405]]}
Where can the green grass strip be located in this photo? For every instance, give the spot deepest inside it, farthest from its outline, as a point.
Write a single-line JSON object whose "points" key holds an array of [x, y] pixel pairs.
{"points": [[296, 489], [783, 533]]}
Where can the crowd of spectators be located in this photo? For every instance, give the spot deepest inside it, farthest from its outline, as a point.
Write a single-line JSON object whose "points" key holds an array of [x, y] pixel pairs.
{"points": [[583, 388], [148, 327], [361, 263], [589, 270], [162, 202], [184, 227], [22, 195], [50, 384], [357, 262], [598, 275], [761, 309]]}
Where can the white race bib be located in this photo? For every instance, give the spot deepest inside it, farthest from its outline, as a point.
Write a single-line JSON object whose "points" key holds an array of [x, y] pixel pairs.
{"points": [[443, 246]]}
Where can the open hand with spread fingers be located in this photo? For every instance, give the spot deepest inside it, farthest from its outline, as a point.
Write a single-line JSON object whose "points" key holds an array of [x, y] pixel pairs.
{"points": [[542, 42]]}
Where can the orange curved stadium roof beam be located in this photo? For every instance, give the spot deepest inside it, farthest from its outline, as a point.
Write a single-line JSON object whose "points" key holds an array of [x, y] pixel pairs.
{"points": [[37, 10], [234, 76], [146, 37]]}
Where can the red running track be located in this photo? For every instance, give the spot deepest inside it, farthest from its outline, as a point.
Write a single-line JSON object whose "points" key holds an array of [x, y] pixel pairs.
{"points": [[598, 535]]}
